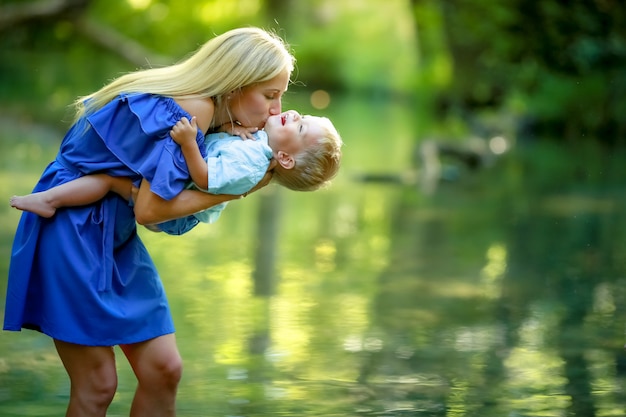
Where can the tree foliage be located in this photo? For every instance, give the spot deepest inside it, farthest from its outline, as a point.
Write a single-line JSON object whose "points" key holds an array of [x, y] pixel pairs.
{"points": [[556, 67], [53, 51], [560, 65]]}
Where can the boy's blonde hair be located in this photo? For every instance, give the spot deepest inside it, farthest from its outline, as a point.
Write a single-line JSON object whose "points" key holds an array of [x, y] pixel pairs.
{"points": [[315, 165], [235, 59]]}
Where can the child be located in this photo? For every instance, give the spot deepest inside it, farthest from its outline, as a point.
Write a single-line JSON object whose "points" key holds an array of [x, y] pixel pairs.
{"points": [[307, 150]]}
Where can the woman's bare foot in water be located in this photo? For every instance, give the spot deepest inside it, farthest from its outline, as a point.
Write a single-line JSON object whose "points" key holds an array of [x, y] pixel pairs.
{"points": [[35, 203]]}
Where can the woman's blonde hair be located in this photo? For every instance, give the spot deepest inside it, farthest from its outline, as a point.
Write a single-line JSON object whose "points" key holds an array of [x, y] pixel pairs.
{"points": [[315, 165], [235, 59]]}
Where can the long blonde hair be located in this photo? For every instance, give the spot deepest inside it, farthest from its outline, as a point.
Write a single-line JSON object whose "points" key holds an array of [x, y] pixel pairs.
{"points": [[235, 59], [315, 165]]}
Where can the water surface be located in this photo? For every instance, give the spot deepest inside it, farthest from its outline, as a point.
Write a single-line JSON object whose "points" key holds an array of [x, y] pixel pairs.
{"points": [[501, 293]]}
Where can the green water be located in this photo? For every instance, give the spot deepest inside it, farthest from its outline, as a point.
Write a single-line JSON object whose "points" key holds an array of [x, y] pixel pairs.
{"points": [[501, 293]]}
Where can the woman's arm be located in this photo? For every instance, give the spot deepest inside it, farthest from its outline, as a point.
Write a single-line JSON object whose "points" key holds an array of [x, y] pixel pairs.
{"points": [[152, 209]]}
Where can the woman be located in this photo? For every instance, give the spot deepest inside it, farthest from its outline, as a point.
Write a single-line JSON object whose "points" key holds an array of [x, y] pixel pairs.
{"points": [[84, 277]]}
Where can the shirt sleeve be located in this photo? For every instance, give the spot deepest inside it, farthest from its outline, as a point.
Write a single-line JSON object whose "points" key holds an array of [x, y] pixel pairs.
{"points": [[237, 166]]}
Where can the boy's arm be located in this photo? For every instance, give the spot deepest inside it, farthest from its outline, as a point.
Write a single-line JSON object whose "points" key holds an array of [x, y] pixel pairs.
{"points": [[184, 133]]}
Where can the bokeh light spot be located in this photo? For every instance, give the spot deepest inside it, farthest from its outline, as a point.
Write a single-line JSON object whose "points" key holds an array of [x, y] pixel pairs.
{"points": [[320, 99]]}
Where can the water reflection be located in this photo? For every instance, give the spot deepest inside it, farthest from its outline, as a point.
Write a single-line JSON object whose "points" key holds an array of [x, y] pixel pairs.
{"points": [[507, 313], [498, 295]]}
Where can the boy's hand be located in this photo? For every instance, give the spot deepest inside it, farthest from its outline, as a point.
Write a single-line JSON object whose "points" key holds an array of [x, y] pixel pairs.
{"points": [[184, 131], [238, 130]]}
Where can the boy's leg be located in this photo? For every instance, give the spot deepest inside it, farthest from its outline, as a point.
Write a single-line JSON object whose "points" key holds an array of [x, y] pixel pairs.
{"points": [[79, 192], [121, 186]]}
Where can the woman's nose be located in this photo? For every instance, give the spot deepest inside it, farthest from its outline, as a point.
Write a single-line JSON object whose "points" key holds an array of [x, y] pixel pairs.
{"points": [[275, 107]]}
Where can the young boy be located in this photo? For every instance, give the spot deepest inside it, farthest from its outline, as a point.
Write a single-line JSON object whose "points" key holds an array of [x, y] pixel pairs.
{"points": [[307, 150]]}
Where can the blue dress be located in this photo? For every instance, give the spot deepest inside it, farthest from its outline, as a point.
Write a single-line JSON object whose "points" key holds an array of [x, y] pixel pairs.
{"points": [[83, 276]]}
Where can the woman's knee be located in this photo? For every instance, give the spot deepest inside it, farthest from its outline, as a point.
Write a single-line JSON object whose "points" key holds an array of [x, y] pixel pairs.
{"points": [[92, 371], [97, 384], [102, 387], [161, 374], [170, 369], [93, 389], [156, 362]]}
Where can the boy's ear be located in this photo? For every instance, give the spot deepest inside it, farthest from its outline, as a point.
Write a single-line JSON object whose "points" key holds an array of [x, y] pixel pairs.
{"points": [[285, 160]]}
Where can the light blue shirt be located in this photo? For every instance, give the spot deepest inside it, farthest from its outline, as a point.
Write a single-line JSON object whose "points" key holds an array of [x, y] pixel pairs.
{"points": [[235, 166]]}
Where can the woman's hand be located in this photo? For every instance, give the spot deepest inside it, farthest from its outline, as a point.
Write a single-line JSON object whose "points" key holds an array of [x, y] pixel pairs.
{"points": [[134, 192]]}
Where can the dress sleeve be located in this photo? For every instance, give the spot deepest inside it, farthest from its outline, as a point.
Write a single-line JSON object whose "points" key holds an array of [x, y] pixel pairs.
{"points": [[184, 224], [178, 226], [136, 129]]}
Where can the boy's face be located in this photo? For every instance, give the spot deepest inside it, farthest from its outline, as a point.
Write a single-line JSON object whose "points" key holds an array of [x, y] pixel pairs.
{"points": [[290, 133]]}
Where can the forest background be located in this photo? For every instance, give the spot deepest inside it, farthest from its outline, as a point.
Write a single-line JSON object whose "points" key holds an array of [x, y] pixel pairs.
{"points": [[556, 69], [500, 293]]}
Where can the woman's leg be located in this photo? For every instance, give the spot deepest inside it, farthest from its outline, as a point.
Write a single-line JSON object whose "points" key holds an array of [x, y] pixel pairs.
{"points": [[158, 367], [93, 378]]}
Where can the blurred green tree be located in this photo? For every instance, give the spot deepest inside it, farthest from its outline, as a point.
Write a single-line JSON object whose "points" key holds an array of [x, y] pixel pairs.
{"points": [[54, 50], [558, 65]]}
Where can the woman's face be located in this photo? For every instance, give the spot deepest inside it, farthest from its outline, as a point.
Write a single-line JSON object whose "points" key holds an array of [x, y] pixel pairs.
{"points": [[253, 104]]}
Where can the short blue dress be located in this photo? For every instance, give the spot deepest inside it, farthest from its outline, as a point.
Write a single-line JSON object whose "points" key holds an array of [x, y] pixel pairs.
{"points": [[83, 276]]}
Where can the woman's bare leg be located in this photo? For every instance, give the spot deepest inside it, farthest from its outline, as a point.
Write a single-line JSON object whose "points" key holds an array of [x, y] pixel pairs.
{"points": [[158, 367], [93, 378], [79, 192]]}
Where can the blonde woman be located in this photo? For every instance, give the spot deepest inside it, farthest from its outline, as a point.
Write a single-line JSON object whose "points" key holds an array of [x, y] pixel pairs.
{"points": [[83, 277]]}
